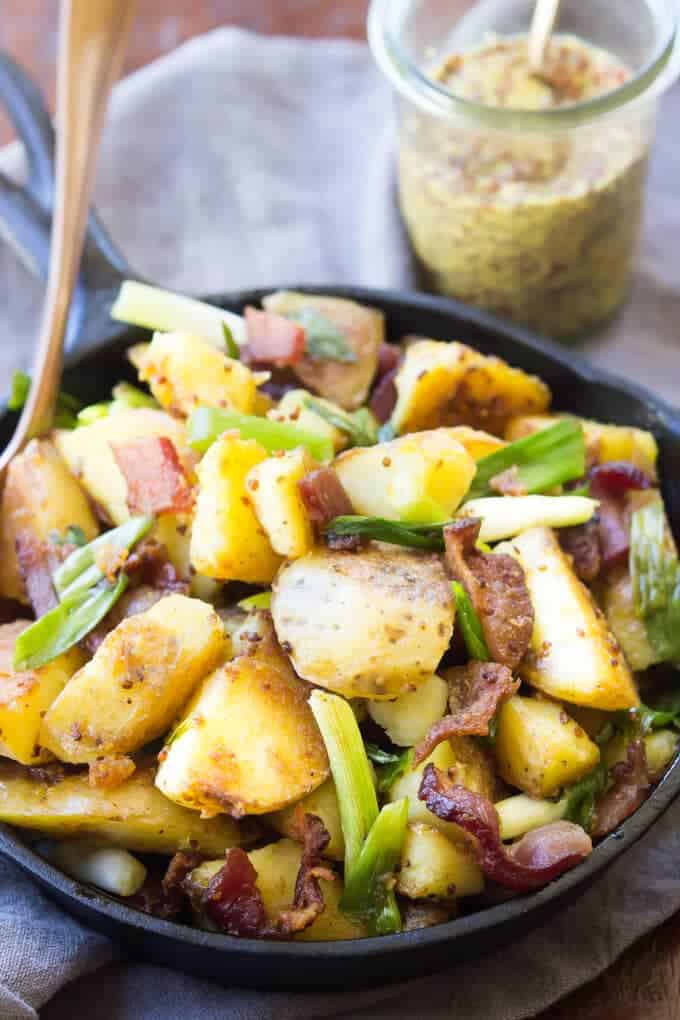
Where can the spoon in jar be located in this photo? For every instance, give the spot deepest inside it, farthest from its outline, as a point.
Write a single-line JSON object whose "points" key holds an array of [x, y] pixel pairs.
{"points": [[542, 24], [92, 35]]}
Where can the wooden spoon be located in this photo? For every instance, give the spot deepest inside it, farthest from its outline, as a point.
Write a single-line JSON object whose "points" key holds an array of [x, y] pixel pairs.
{"points": [[542, 24], [92, 35]]}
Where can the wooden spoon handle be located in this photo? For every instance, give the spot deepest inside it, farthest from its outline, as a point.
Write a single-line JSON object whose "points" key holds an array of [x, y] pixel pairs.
{"points": [[92, 35], [542, 24]]}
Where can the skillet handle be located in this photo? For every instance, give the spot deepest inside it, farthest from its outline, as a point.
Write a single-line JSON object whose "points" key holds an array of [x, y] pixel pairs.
{"points": [[29, 232]]}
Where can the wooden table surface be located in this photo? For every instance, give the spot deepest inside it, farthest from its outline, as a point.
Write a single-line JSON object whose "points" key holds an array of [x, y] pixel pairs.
{"points": [[645, 984]]}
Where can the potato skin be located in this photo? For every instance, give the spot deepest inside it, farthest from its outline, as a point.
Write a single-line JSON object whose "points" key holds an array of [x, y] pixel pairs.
{"points": [[26, 696], [573, 656], [184, 371], [140, 677], [227, 540], [539, 748], [345, 383], [372, 624], [277, 866], [421, 477], [135, 815], [40, 496], [436, 867], [248, 743]]}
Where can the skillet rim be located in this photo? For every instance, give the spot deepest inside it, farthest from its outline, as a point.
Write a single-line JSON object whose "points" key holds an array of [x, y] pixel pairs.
{"points": [[664, 418]]}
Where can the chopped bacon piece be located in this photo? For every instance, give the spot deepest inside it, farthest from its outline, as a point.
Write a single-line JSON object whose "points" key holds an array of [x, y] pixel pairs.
{"points": [[308, 900], [497, 589], [165, 898], [36, 563], [156, 480], [616, 478], [582, 543], [108, 773], [629, 788], [476, 691], [273, 339], [233, 901], [384, 396], [538, 858], [324, 496], [389, 357]]}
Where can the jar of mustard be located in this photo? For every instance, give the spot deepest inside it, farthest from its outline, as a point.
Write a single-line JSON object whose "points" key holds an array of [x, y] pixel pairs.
{"points": [[522, 194]]}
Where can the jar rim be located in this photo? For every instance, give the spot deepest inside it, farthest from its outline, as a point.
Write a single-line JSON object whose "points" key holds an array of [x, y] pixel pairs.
{"points": [[410, 80]]}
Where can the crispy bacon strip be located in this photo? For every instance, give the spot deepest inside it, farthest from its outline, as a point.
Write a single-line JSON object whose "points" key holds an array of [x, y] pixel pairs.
{"points": [[475, 692], [273, 339], [538, 858], [497, 588], [308, 900], [156, 480], [609, 483], [324, 496], [36, 563], [384, 396], [234, 902], [582, 543], [627, 792]]}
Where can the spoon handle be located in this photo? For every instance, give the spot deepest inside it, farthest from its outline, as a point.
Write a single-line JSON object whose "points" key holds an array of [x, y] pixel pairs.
{"points": [[92, 39], [542, 24]]}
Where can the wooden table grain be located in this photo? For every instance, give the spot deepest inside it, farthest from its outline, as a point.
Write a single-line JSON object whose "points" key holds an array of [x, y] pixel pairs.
{"points": [[645, 983]]}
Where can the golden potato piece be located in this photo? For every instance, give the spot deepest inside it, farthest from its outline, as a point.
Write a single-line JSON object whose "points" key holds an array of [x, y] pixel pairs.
{"points": [[26, 696], [419, 478], [479, 444], [434, 866], [87, 451], [272, 486], [140, 677], [322, 802], [135, 815], [451, 384], [228, 542], [408, 719], [184, 371], [40, 496], [277, 867], [603, 442], [371, 624], [247, 744], [573, 655], [539, 748], [345, 383]]}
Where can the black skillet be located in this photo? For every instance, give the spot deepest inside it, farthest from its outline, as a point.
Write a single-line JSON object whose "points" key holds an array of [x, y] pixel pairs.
{"points": [[96, 347]]}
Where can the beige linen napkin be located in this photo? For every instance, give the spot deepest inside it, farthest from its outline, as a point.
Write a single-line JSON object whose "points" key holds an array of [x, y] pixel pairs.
{"points": [[242, 161]]}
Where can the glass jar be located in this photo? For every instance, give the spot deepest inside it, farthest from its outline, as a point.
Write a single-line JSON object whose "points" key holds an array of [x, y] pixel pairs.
{"points": [[528, 209]]}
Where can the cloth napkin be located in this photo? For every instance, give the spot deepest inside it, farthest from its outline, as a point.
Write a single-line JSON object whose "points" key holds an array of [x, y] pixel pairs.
{"points": [[240, 161]]}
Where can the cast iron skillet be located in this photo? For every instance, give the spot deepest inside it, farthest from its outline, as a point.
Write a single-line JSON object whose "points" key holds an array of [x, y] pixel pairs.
{"points": [[95, 361]]}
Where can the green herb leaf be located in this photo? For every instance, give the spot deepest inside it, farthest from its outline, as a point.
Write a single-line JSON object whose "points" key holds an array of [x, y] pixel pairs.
{"points": [[359, 426], [262, 600], [92, 413], [206, 424], [323, 338], [21, 384], [582, 796], [655, 572], [544, 459], [391, 765], [379, 529], [470, 625], [659, 717], [65, 625], [233, 349], [79, 571]]}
